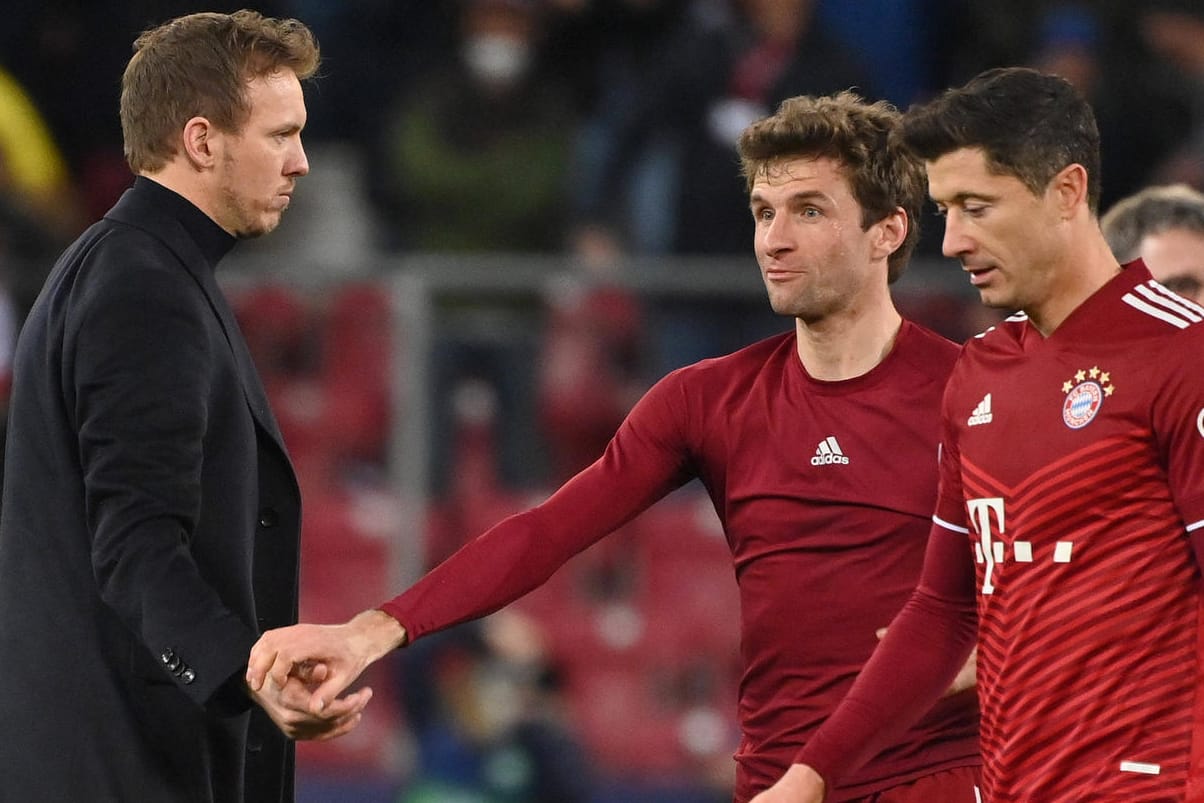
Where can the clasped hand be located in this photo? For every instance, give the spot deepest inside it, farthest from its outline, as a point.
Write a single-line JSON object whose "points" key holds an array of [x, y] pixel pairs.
{"points": [[288, 704], [305, 668]]}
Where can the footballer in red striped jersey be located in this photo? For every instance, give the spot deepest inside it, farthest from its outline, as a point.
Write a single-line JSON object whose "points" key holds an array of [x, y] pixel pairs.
{"points": [[1078, 497], [1069, 530]]}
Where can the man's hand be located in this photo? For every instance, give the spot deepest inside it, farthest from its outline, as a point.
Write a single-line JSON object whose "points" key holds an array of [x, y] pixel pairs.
{"points": [[287, 705], [338, 653], [800, 784]]}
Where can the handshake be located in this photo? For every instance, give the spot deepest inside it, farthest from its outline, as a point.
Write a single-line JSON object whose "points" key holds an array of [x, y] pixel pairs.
{"points": [[299, 674]]}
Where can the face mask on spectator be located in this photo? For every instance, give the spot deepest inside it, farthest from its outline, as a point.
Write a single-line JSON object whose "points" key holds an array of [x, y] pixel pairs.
{"points": [[498, 60]]}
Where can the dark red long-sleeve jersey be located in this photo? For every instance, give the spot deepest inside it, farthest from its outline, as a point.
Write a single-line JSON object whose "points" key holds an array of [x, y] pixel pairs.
{"points": [[824, 490]]}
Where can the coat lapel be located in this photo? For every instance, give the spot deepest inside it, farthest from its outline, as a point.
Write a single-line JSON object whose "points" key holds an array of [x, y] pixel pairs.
{"points": [[132, 210]]}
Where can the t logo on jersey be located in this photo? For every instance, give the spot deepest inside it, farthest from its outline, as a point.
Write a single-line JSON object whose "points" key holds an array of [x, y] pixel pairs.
{"points": [[1085, 394], [981, 511], [988, 520]]}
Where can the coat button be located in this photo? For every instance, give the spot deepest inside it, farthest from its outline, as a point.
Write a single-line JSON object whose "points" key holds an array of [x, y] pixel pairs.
{"points": [[187, 676], [268, 517], [174, 663], [167, 655]]}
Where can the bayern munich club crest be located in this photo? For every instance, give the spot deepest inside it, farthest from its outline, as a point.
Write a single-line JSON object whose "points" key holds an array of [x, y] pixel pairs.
{"points": [[1085, 394]]}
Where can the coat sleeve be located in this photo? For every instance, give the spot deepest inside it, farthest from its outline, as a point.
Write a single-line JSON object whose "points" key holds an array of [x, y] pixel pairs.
{"points": [[139, 365]]}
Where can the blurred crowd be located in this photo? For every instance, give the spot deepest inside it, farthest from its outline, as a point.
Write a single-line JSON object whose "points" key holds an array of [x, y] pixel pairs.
{"points": [[588, 125], [594, 128]]}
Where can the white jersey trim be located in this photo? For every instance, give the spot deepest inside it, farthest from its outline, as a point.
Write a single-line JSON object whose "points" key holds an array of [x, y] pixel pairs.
{"points": [[937, 520], [1195, 525], [1176, 303], [1154, 312], [1178, 299], [1013, 318]]}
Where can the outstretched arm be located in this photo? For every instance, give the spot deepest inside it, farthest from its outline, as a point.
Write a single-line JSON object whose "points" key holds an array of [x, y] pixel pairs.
{"points": [[644, 461]]}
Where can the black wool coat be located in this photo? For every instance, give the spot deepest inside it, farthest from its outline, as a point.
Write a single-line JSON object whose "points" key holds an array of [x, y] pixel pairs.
{"points": [[149, 528]]}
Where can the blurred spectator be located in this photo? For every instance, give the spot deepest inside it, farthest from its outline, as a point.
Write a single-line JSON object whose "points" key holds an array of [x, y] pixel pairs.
{"points": [[982, 35], [772, 50], [1174, 30], [591, 370], [676, 80], [33, 173], [1132, 110], [475, 160], [652, 69], [66, 53], [472, 495], [39, 212], [38, 216], [397, 42], [486, 710], [1165, 227], [475, 157], [898, 41]]}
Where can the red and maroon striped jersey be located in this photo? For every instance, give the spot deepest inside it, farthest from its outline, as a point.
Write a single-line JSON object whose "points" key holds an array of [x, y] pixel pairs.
{"points": [[1075, 465], [825, 492]]}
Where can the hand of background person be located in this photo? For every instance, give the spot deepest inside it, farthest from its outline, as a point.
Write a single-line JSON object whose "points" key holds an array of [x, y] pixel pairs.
{"points": [[800, 784], [342, 651], [967, 676], [288, 706]]}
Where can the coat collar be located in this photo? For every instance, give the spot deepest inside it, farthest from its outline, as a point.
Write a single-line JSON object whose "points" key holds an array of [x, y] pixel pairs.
{"points": [[200, 244]]}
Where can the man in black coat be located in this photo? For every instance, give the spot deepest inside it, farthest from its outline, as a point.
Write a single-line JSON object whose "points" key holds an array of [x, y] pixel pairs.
{"points": [[151, 515]]}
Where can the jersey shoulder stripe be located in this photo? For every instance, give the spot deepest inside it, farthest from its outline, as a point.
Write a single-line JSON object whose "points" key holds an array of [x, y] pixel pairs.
{"points": [[1156, 301], [1186, 303]]}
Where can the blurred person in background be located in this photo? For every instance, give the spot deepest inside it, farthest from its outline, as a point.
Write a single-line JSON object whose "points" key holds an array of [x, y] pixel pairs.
{"points": [[484, 703], [475, 155], [34, 179], [474, 159], [1134, 111], [39, 206], [39, 214], [652, 67], [770, 50], [1174, 31], [591, 368], [817, 447], [151, 513], [1164, 227]]}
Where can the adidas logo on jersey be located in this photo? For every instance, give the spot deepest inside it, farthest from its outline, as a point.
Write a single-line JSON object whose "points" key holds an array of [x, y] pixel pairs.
{"points": [[982, 413], [828, 453]]}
